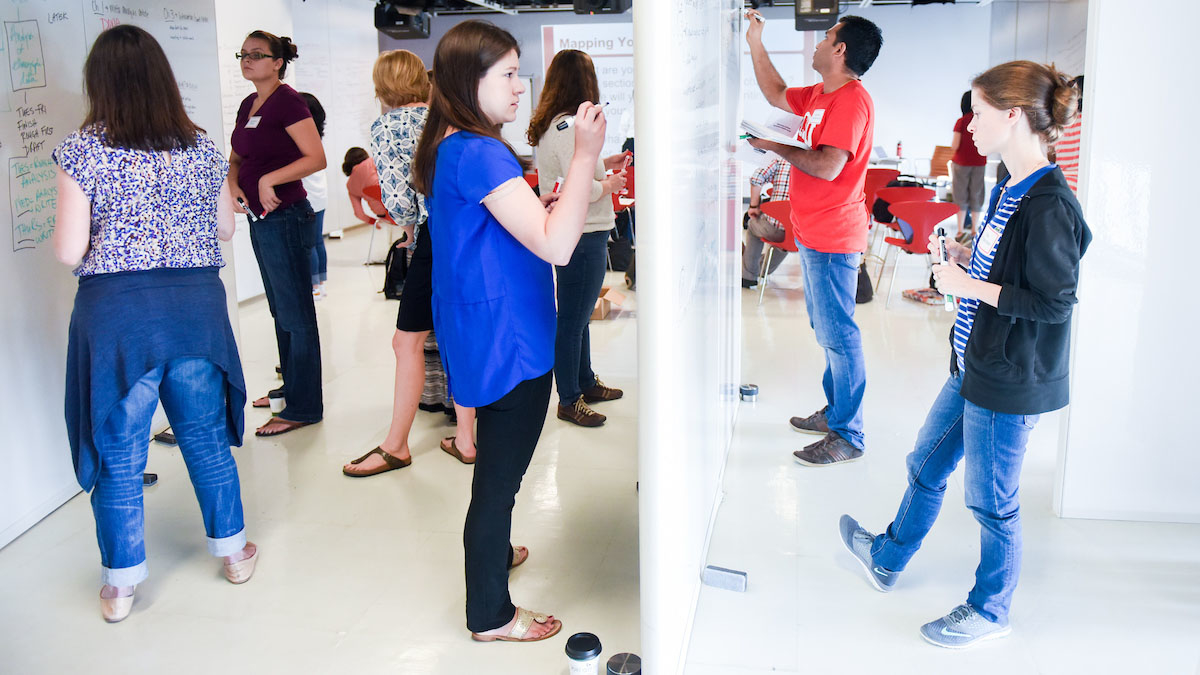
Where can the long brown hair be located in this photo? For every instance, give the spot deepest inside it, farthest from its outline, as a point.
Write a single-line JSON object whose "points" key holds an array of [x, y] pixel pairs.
{"points": [[133, 94], [570, 80], [463, 57], [1046, 96]]}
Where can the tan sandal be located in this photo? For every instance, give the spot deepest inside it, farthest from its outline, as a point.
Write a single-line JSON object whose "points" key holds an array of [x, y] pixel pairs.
{"points": [[390, 463], [240, 572], [520, 555], [525, 621], [453, 451]]}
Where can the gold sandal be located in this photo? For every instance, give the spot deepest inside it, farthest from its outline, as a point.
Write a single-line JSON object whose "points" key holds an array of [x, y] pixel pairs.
{"points": [[525, 621]]}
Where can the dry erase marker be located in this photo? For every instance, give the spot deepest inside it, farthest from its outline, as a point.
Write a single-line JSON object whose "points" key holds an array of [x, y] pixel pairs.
{"points": [[941, 235], [557, 185], [759, 18], [249, 214], [567, 122]]}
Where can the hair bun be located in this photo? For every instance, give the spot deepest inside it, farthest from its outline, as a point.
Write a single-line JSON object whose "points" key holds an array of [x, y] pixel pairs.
{"points": [[289, 48], [1064, 103]]}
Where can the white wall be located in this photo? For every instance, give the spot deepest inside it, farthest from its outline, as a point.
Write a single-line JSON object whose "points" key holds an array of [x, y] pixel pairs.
{"points": [[336, 42], [1130, 449], [689, 301], [1040, 30]]}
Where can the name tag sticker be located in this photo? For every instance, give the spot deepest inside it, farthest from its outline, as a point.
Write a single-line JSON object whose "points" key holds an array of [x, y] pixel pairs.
{"points": [[987, 240], [252, 123]]}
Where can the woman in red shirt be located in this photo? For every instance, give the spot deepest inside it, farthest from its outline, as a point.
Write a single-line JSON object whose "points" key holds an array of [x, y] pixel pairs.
{"points": [[967, 170]]}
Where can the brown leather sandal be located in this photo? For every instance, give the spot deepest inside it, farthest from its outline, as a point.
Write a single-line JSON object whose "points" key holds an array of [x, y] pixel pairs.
{"points": [[453, 451], [391, 463], [283, 426]]}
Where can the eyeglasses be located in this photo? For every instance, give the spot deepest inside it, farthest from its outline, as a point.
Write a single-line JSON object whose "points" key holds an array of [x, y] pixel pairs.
{"points": [[253, 56]]}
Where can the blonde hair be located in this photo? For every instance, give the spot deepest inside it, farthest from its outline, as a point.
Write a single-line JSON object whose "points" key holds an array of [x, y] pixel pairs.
{"points": [[400, 78], [1048, 98]]}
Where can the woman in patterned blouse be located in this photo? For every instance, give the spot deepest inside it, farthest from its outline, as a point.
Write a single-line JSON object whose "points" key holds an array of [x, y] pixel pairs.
{"points": [[402, 85], [142, 201]]}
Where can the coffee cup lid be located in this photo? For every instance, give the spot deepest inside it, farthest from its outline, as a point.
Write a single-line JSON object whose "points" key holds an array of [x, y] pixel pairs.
{"points": [[624, 664], [583, 646]]}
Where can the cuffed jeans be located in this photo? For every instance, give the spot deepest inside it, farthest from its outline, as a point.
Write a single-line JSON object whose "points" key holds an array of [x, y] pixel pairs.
{"points": [[993, 445], [507, 435], [830, 284], [579, 284], [192, 391], [282, 241]]}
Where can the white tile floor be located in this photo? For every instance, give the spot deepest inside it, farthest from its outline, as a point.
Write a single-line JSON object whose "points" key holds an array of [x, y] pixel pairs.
{"points": [[366, 575], [357, 575], [1095, 597]]}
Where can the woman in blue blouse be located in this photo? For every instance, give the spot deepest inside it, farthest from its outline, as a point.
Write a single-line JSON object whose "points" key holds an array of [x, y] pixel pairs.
{"points": [[141, 203], [494, 243]]}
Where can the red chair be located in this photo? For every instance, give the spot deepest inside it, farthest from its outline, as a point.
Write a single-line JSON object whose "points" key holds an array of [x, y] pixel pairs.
{"points": [[895, 195], [532, 179], [876, 180], [374, 195], [920, 217], [627, 195], [781, 211]]}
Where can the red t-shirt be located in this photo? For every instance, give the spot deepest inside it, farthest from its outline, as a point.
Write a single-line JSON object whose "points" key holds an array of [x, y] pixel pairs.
{"points": [[831, 216], [967, 154]]}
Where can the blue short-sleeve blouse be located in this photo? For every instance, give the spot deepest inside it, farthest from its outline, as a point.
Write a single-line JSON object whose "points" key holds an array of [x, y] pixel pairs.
{"points": [[493, 299]]}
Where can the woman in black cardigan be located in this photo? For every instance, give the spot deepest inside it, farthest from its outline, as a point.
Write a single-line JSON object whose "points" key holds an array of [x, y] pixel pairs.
{"points": [[1010, 350]]}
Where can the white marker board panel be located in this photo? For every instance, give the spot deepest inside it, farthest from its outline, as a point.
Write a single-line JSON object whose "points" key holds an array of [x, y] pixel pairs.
{"points": [[43, 49]]}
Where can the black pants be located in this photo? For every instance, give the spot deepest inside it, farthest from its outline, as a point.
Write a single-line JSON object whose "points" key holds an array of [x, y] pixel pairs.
{"points": [[508, 432]]}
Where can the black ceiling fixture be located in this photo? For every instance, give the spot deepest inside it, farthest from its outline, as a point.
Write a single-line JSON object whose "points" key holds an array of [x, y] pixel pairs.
{"points": [[403, 19], [601, 6]]}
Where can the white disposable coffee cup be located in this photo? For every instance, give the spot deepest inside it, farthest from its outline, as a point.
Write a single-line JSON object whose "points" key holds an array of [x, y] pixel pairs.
{"points": [[277, 402], [583, 654]]}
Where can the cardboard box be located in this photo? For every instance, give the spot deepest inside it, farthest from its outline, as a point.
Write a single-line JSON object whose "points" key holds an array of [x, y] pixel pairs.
{"points": [[609, 298]]}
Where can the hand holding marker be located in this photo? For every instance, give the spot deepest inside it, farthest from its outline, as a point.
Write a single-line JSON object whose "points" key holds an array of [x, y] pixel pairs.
{"points": [[249, 213], [942, 259], [570, 120]]}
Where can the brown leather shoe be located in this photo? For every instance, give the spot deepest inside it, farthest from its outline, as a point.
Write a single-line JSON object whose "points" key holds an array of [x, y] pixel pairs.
{"points": [[599, 392], [579, 413]]}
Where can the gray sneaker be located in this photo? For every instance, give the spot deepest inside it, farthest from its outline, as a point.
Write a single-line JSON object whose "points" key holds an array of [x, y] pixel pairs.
{"points": [[831, 450], [858, 541], [813, 424], [962, 628]]}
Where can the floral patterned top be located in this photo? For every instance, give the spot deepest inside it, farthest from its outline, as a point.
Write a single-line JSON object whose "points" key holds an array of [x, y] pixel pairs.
{"points": [[150, 210], [394, 139]]}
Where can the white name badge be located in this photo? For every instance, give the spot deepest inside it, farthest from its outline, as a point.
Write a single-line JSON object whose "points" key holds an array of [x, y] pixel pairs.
{"points": [[987, 240], [252, 123]]}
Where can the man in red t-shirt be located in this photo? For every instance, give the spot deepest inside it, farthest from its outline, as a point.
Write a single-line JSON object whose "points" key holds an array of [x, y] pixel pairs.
{"points": [[829, 216]]}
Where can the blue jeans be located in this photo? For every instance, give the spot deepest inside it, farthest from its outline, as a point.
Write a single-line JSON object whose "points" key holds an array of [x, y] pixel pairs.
{"points": [[994, 445], [282, 242], [579, 284], [830, 283], [318, 262], [193, 395]]}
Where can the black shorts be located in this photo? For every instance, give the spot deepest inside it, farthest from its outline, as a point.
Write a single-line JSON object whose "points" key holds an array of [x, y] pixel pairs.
{"points": [[416, 300]]}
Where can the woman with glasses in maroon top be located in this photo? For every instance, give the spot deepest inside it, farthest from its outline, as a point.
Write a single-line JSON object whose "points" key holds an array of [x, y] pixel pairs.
{"points": [[275, 144]]}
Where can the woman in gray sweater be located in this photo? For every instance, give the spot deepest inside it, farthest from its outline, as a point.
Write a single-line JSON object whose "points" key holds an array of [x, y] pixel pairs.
{"points": [[571, 80]]}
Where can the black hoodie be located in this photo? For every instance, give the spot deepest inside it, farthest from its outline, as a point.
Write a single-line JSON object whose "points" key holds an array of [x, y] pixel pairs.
{"points": [[1018, 354]]}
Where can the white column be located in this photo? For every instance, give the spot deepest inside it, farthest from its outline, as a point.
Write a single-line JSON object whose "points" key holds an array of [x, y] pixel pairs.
{"points": [[1130, 447], [687, 71]]}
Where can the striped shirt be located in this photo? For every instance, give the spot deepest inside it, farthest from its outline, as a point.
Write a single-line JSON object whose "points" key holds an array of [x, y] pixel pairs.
{"points": [[1066, 151], [987, 241]]}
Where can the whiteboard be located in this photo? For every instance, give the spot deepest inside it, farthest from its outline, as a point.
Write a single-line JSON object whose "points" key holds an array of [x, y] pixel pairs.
{"points": [[43, 49]]}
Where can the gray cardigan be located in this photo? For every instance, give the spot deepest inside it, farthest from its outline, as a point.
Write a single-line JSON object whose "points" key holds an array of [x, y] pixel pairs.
{"points": [[554, 152]]}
